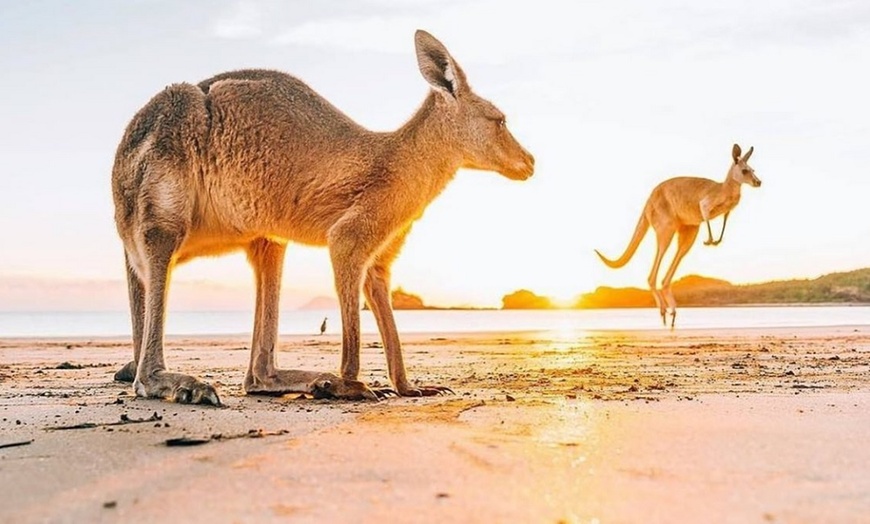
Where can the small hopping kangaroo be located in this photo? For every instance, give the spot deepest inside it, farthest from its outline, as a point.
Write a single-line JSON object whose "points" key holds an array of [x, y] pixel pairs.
{"points": [[678, 206], [252, 160]]}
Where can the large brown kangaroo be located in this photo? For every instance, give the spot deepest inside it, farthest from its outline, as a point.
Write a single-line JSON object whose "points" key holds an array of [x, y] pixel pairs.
{"points": [[255, 159], [679, 205]]}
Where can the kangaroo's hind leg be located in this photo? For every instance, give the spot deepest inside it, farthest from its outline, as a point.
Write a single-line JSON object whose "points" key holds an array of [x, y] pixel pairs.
{"points": [[263, 376], [354, 242], [159, 243], [377, 292], [664, 235], [136, 292], [686, 237]]}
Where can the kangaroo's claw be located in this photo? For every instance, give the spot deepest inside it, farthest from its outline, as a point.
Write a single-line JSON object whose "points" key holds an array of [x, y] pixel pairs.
{"points": [[383, 393], [426, 391], [329, 386]]}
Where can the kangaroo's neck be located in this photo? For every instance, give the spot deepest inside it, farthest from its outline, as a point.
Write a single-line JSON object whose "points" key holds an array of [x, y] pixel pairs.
{"points": [[423, 152], [730, 189]]}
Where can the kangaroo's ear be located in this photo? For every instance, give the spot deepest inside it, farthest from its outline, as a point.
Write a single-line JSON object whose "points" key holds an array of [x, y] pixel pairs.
{"points": [[437, 66], [748, 153], [735, 153]]}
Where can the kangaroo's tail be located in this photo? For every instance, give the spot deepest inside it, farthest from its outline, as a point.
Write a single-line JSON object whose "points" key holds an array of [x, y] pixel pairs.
{"points": [[639, 232]]}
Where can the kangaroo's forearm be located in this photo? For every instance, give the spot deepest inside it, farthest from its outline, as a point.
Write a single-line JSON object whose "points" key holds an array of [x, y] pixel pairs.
{"points": [[724, 223], [709, 232]]}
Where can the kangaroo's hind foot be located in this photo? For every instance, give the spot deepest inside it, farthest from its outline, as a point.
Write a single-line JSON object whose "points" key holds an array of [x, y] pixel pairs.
{"points": [[176, 387], [278, 382], [126, 373], [424, 391]]}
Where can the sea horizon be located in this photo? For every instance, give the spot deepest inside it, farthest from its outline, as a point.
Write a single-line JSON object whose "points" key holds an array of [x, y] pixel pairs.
{"points": [[116, 323]]}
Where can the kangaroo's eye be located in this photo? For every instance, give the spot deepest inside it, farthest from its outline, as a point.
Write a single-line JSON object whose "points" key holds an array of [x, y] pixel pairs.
{"points": [[745, 171]]}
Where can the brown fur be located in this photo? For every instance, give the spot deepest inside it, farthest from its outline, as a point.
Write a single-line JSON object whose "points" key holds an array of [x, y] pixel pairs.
{"points": [[679, 205], [251, 160]]}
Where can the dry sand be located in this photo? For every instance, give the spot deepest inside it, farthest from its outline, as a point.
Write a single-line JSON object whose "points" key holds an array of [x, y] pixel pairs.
{"points": [[696, 426]]}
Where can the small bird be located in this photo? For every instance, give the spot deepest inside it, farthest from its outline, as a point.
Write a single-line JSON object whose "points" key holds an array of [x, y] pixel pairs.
{"points": [[323, 326]]}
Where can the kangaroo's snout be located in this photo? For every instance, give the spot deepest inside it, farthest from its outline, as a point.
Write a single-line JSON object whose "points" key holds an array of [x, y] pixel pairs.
{"points": [[526, 168]]}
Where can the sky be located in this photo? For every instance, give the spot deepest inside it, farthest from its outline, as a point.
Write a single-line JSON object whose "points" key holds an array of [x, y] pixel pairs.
{"points": [[610, 97]]}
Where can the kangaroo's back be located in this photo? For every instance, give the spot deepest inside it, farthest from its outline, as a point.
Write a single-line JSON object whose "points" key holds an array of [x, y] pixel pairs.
{"points": [[276, 96], [269, 117], [247, 149], [268, 125], [679, 198]]}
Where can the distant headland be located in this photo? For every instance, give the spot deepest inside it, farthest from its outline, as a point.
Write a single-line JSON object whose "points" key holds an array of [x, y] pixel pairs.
{"points": [[852, 287]]}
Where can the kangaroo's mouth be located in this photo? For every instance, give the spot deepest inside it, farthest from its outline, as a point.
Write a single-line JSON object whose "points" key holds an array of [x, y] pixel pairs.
{"points": [[521, 170], [520, 174]]}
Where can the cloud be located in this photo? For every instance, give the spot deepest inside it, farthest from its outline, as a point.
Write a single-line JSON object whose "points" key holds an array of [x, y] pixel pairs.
{"points": [[512, 30], [242, 21], [462, 26]]}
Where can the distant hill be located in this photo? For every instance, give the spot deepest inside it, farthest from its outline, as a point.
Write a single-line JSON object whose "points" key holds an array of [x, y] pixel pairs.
{"points": [[525, 299], [695, 290], [320, 303], [403, 300]]}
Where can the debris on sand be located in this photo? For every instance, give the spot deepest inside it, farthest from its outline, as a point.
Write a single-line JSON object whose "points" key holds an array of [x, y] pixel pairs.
{"points": [[68, 365], [16, 444], [125, 419], [196, 441], [186, 441]]}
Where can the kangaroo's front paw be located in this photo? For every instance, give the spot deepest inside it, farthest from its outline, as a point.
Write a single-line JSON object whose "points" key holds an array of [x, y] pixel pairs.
{"points": [[179, 388], [328, 385]]}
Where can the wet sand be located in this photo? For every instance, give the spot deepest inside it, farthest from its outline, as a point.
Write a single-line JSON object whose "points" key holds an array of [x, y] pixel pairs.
{"points": [[692, 426]]}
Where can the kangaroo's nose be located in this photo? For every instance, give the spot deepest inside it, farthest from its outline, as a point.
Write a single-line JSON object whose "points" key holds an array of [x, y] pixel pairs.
{"points": [[530, 163]]}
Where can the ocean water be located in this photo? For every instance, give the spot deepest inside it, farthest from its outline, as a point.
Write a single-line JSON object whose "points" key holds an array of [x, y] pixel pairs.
{"points": [[292, 322]]}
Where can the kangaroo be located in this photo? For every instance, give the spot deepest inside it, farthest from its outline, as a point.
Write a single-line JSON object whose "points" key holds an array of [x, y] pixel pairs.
{"points": [[254, 159], [679, 205]]}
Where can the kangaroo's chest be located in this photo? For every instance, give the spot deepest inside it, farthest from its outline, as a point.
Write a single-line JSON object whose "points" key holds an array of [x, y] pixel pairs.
{"points": [[724, 205], [718, 203]]}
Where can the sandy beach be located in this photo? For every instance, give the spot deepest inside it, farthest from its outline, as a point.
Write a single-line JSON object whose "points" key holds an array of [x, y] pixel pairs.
{"points": [[692, 426]]}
